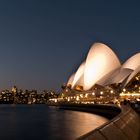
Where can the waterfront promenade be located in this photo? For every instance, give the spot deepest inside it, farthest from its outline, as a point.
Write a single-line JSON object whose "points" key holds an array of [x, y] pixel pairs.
{"points": [[124, 126]]}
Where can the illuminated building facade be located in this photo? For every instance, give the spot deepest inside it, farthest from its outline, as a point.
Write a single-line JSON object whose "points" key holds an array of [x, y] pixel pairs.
{"points": [[102, 74]]}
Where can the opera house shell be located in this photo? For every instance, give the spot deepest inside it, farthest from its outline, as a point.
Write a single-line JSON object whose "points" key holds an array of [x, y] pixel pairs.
{"points": [[102, 67]]}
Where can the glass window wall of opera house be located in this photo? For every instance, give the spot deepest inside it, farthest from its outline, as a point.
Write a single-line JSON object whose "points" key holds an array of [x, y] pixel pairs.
{"points": [[101, 78]]}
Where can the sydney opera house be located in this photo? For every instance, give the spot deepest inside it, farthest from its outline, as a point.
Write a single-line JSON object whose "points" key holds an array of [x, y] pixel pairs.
{"points": [[102, 72]]}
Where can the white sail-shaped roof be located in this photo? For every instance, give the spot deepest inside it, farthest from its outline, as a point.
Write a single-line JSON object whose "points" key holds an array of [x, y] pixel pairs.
{"points": [[100, 61], [78, 78], [80, 81], [133, 62], [133, 74], [115, 76], [70, 81]]}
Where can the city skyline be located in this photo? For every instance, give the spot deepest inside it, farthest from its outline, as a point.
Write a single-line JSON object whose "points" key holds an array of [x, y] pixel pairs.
{"points": [[42, 43]]}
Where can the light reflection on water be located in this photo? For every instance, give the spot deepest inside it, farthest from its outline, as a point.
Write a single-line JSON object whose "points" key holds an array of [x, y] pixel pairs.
{"points": [[27, 122]]}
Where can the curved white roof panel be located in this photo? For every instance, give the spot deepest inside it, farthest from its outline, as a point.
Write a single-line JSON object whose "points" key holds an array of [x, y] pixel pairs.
{"points": [[115, 76], [78, 78], [133, 74], [100, 61], [80, 81], [71, 79], [133, 62]]}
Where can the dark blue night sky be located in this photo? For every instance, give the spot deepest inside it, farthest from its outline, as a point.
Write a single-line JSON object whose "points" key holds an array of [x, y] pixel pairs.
{"points": [[43, 42]]}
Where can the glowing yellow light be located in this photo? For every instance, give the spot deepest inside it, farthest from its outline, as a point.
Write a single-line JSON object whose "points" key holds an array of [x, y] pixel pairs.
{"points": [[101, 92], [137, 78], [124, 90], [77, 98], [93, 93], [130, 94], [81, 95], [78, 87], [68, 99], [86, 95], [136, 86], [55, 100], [67, 90], [111, 91], [101, 97]]}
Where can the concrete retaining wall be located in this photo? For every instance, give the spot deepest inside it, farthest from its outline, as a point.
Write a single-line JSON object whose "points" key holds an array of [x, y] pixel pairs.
{"points": [[125, 126]]}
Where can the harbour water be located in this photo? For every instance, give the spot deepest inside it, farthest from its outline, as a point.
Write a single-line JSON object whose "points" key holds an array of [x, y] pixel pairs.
{"points": [[40, 122]]}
